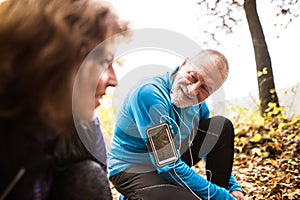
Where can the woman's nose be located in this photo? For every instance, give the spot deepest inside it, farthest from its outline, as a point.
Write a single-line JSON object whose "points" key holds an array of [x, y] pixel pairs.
{"points": [[113, 81]]}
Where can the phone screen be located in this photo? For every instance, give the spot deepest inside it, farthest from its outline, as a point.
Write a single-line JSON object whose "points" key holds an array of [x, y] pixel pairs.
{"points": [[162, 144]]}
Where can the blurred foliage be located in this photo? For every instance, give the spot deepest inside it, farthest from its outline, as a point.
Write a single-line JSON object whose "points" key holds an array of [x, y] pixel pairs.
{"points": [[107, 118]]}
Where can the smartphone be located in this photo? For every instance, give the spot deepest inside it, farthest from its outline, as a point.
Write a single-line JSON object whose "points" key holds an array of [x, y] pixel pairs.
{"points": [[162, 144]]}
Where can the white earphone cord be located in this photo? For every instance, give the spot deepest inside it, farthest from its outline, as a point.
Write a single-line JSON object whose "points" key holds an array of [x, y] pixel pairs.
{"points": [[190, 151]]}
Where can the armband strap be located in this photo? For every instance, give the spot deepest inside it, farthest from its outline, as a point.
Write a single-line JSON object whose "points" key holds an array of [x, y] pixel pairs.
{"points": [[149, 147]]}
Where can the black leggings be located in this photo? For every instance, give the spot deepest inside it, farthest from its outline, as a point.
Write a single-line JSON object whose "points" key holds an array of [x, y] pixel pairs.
{"points": [[214, 139]]}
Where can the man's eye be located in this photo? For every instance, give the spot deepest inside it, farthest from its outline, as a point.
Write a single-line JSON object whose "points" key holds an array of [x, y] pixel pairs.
{"points": [[192, 78]]}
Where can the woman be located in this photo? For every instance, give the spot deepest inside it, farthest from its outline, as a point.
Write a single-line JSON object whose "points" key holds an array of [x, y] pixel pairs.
{"points": [[42, 45]]}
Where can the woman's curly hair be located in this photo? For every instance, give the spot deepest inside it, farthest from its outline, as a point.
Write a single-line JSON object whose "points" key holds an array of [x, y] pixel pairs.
{"points": [[42, 44]]}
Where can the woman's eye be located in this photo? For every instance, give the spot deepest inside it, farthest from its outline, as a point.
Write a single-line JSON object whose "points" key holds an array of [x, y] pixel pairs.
{"points": [[107, 61]]}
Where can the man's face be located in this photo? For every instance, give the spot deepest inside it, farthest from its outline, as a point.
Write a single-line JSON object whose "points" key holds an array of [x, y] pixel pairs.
{"points": [[193, 84]]}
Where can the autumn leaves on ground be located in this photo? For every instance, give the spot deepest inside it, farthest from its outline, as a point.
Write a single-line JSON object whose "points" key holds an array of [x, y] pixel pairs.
{"points": [[267, 155], [267, 159]]}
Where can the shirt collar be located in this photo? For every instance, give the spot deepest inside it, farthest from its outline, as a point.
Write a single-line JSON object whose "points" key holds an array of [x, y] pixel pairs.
{"points": [[170, 77]]}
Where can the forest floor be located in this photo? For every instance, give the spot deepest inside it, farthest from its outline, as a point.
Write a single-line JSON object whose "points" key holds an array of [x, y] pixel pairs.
{"points": [[266, 162]]}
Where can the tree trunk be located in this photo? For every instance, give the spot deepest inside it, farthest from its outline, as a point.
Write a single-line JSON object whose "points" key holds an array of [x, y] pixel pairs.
{"points": [[266, 86]]}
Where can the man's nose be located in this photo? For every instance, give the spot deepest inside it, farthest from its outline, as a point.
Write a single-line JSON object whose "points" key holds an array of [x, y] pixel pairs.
{"points": [[195, 88]]}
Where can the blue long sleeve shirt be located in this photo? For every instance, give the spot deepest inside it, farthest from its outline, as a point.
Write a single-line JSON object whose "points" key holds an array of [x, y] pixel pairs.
{"points": [[149, 105]]}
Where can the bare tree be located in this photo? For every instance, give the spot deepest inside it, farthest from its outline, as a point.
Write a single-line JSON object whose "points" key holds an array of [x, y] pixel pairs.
{"points": [[225, 9], [265, 78]]}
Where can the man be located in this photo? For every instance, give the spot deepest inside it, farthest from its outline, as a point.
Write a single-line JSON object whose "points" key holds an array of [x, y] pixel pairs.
{"points": [[177, 99]]}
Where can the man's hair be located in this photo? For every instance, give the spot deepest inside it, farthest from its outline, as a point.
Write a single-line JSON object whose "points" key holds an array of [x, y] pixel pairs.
{"points": [[220, 61], [42, 44]]}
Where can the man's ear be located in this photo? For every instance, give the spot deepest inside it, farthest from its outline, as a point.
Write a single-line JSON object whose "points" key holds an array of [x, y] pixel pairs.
{"points": [[184, 62]]}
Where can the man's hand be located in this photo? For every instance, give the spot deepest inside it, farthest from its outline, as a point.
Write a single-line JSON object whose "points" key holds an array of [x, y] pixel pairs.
{"points": [[238, 195]]}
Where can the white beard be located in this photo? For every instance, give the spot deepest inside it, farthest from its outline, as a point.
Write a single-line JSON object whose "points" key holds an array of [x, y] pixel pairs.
{"points": [[181, 98]]}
